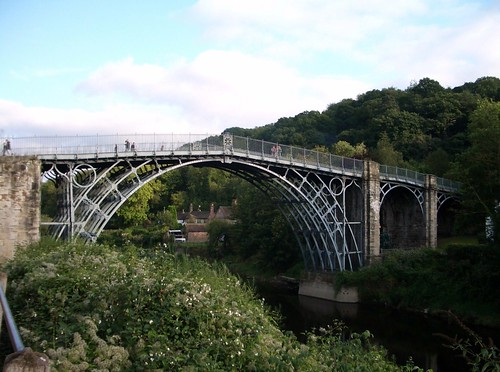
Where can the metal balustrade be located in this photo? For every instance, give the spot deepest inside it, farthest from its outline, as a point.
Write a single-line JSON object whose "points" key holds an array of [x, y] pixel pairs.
{"points": [[107, 146]]}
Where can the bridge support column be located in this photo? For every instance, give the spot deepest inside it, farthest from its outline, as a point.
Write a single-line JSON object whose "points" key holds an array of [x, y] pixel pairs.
{"points": [[430, 211], [19, 203], [371, 213]]}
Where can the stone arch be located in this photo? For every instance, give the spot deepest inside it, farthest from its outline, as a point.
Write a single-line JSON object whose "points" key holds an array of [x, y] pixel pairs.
{"points": [[446, 216], [402, 220]]}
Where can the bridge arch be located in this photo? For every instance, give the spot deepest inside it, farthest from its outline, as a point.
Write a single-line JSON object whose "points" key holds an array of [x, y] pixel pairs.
{"points": [[313, 204], [402, 217], [448, 206], [316, 210]]}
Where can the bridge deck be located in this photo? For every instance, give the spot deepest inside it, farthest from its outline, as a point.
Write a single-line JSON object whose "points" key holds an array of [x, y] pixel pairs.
{"points": [[99, 148]]}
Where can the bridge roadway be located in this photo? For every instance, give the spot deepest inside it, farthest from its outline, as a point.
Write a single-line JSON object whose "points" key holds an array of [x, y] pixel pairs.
{"points": [[333, 203]]}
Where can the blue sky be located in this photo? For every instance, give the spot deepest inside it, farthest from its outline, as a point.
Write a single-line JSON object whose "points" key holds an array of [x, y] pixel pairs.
{"points": [[150, 66]]}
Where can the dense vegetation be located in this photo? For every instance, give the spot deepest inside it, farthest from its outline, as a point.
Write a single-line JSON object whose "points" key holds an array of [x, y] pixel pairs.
{"points": [[460, 278], [101, 308], [459, 282]]}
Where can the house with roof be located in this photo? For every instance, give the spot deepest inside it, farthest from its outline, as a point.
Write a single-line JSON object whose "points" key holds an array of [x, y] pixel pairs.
{"points": [[195, 222]]}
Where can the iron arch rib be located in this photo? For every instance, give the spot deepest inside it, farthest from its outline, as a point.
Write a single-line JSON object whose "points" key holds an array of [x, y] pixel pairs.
{"points": [[315, 212]]}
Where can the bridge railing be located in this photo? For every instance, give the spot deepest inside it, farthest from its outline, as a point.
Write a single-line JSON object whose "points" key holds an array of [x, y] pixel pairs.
{"points": [[448, 185], [273, 151], [401, 174], [413, 177], [107, 144], [95, 146]]}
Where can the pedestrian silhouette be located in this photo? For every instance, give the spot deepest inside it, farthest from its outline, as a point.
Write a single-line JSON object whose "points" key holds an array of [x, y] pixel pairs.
{"points": [[6, 147]]}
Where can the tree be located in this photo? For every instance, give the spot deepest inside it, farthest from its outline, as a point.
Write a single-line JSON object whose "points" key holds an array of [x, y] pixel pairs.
{"points": [[49, 199], [219, 233], [437, 162], [263, 233], [168, 218], [385, 152], [136, 208], [344, 148], [426, 87], [479, 166]]}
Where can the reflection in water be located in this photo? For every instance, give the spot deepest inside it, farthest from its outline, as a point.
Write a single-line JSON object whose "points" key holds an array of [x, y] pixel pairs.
{"points": [[404, 334]]}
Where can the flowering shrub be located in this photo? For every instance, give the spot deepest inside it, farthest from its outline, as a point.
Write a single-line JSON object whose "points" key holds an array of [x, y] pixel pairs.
{"points": [[107, 309]]}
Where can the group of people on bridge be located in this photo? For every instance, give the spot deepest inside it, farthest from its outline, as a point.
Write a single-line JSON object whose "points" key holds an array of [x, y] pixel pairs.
{"points": [[128, 146], [276, 150]]}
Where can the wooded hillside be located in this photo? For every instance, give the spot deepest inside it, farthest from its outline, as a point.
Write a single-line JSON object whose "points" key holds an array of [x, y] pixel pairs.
{"points": [[426, 124]]}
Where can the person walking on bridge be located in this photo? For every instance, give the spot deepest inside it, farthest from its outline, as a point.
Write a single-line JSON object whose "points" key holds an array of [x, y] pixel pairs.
{"points": [[6, 148]]}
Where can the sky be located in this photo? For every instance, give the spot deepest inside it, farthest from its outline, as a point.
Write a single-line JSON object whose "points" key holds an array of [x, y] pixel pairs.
{"points": [[78, 67]]}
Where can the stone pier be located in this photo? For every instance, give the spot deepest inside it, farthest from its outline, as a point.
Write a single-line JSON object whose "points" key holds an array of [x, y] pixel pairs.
{"points": [[19, 203], [322, 285], [431, 211], [371, 204]]}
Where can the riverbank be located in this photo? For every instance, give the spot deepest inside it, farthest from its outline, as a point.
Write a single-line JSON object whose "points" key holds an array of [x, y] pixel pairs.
{"points": [[424, 337], [462, 279]]}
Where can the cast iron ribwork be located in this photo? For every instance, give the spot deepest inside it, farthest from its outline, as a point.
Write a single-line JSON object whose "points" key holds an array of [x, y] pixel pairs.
{"points": [[320, 194]]}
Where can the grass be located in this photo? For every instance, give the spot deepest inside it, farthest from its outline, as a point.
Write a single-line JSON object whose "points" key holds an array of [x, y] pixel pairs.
{"points": [[462, 239]]}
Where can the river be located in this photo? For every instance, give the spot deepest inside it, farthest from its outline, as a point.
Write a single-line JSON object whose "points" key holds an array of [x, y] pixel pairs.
{"points": [[404, 334]]}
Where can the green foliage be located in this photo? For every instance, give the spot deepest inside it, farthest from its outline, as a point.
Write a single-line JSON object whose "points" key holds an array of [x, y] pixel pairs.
{"points": [[437, 162], [344, 148], [167, 218], [97, 308], [220, 237], [481, 356], [433, 280], [479, 167], [334, 354], [49, 199], [385, 152], [136, 208], [262, 233], [146, 237]]}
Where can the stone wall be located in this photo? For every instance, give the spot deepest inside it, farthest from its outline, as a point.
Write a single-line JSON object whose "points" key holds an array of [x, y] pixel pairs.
{"points": [[322, 285], [19, 203]]}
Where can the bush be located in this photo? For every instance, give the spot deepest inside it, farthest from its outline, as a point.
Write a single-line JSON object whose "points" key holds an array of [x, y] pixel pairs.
{"points": [[462, 278], [97, 308]]}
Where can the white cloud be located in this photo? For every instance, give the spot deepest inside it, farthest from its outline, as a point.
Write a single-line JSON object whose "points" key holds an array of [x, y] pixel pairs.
{"points": [[223, 87], [383, 42], [217, 90], [338, 26], [19, 120]]}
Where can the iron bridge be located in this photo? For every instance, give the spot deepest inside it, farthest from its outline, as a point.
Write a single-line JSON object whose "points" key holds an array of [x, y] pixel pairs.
{"points": [[321, 195]]}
